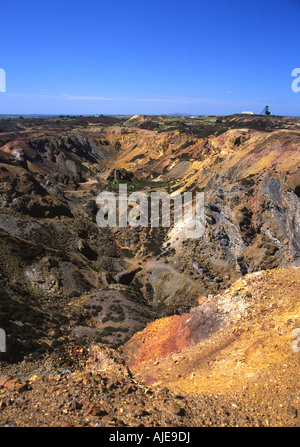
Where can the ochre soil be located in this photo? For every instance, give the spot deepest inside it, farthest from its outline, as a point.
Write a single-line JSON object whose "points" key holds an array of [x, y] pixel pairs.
{"points": [[229, 362]]}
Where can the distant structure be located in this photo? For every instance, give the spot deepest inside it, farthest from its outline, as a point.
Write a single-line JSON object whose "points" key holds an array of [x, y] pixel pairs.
{"points": [[247, 113], [266, 111]]}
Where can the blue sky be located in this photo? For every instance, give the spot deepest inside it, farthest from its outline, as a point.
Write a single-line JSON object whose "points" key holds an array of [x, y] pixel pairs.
{"points": [[152, 57]]}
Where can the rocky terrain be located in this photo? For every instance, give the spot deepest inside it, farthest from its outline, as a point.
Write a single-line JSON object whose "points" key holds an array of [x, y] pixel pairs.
{"points": [[143, 326]]}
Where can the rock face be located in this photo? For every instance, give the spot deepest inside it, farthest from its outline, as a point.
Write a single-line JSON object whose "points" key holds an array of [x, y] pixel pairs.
{"points": [[229, 362], [116, 314], [66, 282], [229, 343]]}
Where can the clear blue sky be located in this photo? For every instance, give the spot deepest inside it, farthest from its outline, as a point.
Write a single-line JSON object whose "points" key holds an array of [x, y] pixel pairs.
{"points": [[153, 57]]}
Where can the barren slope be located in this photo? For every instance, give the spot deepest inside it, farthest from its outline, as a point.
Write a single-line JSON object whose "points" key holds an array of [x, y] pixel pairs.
{"points": [[71, 291]]}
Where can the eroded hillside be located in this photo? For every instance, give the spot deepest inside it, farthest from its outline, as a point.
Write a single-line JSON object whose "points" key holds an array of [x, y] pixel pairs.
{"points": [[203, 317]]}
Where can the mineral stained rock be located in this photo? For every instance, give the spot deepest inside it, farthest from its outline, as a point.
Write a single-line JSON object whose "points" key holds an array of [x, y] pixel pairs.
{"points": [[143, 326]]}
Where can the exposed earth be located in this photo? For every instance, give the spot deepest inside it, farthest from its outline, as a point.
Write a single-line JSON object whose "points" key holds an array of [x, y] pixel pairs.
{"points": [[144, 326]]}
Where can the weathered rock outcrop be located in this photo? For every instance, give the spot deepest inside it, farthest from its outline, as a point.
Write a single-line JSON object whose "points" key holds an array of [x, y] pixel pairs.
{"points": [[65, 283]]}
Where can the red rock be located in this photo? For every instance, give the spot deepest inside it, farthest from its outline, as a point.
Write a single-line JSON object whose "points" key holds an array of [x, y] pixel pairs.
{"points": [[107, 420], [174, 408], [95, 410], [3, 380]]}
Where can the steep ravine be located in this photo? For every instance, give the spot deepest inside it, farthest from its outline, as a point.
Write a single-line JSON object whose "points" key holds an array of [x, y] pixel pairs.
{"points": [[67, 285]]}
